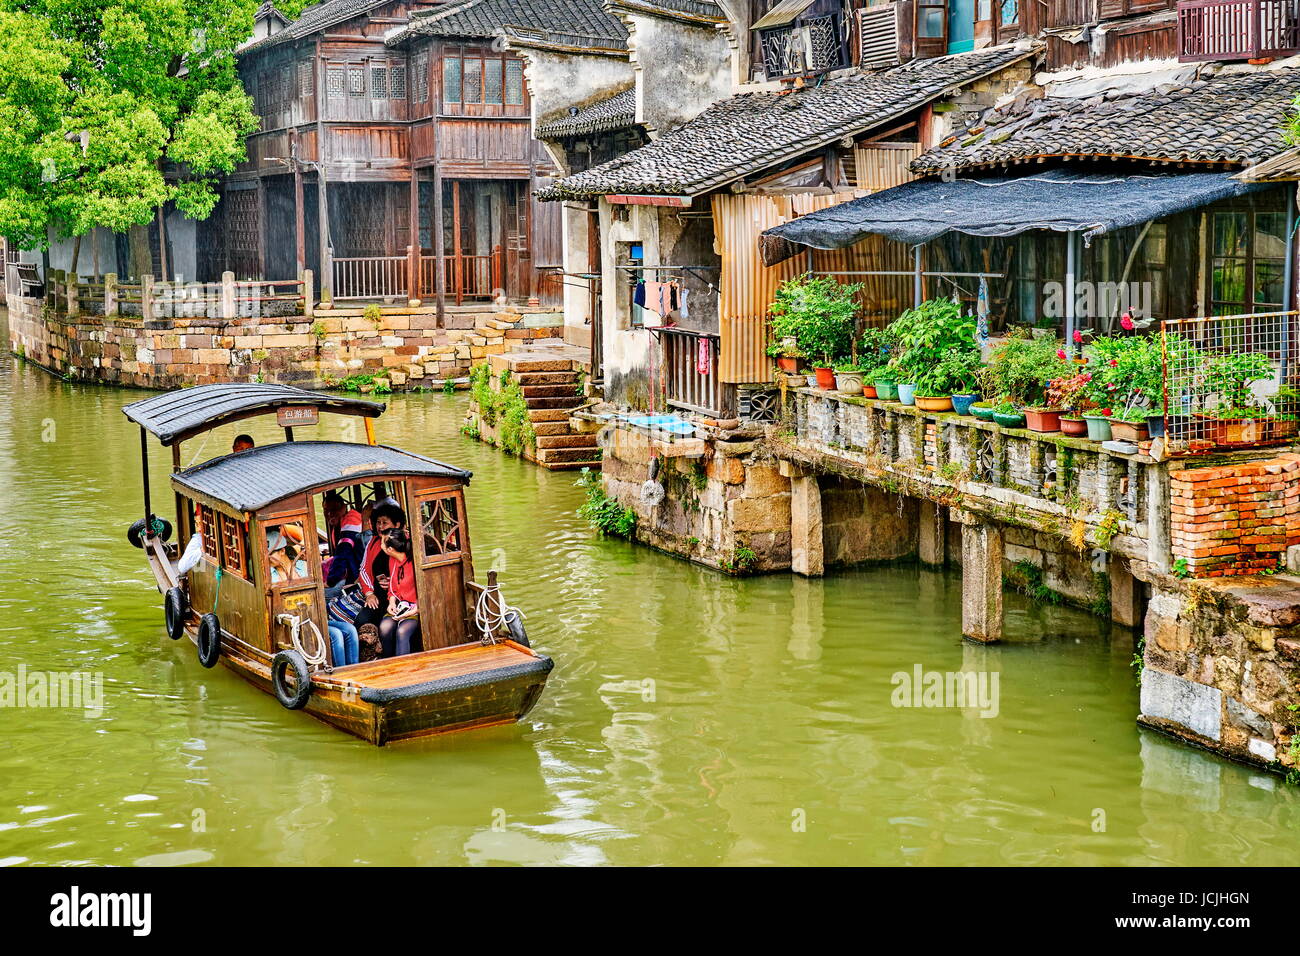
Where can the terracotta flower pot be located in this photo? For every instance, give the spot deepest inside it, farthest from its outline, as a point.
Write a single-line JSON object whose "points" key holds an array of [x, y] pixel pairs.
{"points": [[825, 378], [787, 364], [1043, 419], [1074, 427], [932, 403], [869, 391], [1128, 431]]}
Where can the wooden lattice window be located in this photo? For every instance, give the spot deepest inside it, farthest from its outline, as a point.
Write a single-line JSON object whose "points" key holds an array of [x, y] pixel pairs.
{"points": [[334, 83], [440, 525], [420, 78], [379, 82], [397, 82], [356, 81], [451, 79], [306, 78], [208, 529], [491, 81], [473, 79], [234, 546], [514, 83]]}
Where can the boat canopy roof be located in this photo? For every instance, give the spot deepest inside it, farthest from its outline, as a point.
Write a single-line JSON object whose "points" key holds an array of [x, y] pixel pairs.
{"points": [[176, 416], [251, 480]]}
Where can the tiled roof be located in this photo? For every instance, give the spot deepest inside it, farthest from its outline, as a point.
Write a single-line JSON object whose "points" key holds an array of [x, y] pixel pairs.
{"points": [[676, 9], [755, 131], [321, 16], [585, 22], [615, 112], [1226, 118]]}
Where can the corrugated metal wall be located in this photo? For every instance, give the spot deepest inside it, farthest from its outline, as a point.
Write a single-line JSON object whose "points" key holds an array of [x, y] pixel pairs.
{"points": [[884, 165], [748, 286]]}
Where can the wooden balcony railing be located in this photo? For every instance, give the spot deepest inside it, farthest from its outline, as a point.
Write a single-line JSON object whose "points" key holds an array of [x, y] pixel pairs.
{"points": [[687, 386], [465, 277], [370, 277], [1237, 29]]}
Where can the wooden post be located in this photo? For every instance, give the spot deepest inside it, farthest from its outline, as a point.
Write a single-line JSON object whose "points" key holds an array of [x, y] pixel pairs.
{"points": [[299, 212], [413, 251], [146, 297], [110, 293], [74, 295], [227, 295], [439, 238], [261, 227], [413, 275], [308, 293], [162, 244], [458, 262]]}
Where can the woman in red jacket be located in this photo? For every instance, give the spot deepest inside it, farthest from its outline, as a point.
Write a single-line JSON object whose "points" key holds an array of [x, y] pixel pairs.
{"points": [[400, 629]]}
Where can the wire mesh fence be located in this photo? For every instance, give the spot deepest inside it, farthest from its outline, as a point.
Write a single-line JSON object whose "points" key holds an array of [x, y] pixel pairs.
{"points": [[1229, 381]]}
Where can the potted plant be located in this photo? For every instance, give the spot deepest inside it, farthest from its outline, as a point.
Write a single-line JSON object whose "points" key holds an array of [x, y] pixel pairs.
{"points": [[1129, 424], [1098, 424], [787, 355], [873, 357], [1238, 417], [1007, 414], [951, 383], [1020, 368], [819, 313], [1070, 395], [983, 410], [934, 351], [848, 378]]}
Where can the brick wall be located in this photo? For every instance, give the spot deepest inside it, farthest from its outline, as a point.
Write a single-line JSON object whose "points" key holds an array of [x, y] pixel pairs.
{"points": [[1235, 519], [405, 345]]}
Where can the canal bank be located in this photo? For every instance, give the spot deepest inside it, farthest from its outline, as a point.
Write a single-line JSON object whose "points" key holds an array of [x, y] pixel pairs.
{"points": [[693, 717]]}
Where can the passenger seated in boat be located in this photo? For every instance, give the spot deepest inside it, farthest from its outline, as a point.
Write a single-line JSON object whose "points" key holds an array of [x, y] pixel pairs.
{"points": [[373, 574], [241, 443], [344, 640], [284, 550], [400, 628], [344, 526]]}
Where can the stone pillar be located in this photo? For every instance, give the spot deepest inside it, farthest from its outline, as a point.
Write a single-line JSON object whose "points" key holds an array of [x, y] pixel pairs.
{"points": [[982, 549], [110, 293], [308, 293], [1158, 543], [1126, 595], [806, 547], [932, 541], [227, 295]]}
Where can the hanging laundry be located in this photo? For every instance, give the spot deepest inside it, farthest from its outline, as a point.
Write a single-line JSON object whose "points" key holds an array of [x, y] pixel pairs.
{"points": [[682, 308], [704, 357], [638, 294]]}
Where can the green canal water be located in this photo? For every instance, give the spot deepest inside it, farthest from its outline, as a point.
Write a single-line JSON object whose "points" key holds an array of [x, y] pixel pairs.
{"points": [[691, 719]]}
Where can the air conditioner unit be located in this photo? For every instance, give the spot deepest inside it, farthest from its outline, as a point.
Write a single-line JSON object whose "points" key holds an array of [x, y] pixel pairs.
{"points": [[878, 27]]}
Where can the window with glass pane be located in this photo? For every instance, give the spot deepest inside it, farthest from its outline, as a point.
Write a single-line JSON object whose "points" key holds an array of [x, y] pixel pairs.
{"points": [[440, 525], [286, 553], [420, 78], [1248, 251], [451, 79], [1010, 11], [930, 16], [473, 89], [514, 83], [492, 81]]}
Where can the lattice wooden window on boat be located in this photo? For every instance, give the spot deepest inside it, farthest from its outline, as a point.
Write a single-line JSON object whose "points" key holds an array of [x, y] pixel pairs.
{"points": [[440, 526], [234, 546], [207, 525]]}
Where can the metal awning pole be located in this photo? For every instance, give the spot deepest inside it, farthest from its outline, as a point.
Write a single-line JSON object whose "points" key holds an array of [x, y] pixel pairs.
{"points": [[1069, 292], [918, 283]]}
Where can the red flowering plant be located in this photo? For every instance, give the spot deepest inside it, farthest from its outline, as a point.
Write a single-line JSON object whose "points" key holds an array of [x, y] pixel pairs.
{"points": [[1072, 394]]}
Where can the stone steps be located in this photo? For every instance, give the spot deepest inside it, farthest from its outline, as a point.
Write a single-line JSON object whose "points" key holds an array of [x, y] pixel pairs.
{"points": [[570, 457], [547, 378], [566, 402], [566, 441], [551, 429], [549, 415], [561, 390]]}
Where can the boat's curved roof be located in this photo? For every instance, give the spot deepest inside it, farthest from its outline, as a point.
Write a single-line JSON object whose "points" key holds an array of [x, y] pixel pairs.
{"points": [[177, 415], [250, 480]]}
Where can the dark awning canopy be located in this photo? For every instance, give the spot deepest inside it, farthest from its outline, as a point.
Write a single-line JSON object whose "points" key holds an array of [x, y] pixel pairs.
{"points": [[1060, 200]]}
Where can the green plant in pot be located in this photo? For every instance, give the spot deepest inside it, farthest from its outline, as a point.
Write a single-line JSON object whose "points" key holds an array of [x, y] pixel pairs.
{"points": [[1072, 395], [1241, 419], [928, 343], [787, 355], [850, 377], [1008, 414], [1020, 368], [819, 313], [874, 350]]}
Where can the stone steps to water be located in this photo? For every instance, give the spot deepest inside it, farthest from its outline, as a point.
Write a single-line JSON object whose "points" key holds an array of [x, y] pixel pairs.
{"points": [[567, 457], [566, 441], [539, 402], [563, 390], [551, 429], [549, 415], [547, 378]]}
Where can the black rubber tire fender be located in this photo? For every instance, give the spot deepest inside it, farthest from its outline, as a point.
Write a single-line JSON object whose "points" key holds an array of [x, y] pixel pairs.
{"points": [[135, 533], [292, 698], [209, 640], [176, 610], [515, 627]]}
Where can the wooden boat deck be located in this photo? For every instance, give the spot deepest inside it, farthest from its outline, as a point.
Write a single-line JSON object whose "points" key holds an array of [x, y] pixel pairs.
{"points": [[425, 667]]}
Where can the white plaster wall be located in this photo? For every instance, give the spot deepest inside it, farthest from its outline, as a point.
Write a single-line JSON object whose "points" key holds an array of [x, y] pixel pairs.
{"points": [[576, 223], [61, 253], [557, 82], [627, 351], [681, 69]]}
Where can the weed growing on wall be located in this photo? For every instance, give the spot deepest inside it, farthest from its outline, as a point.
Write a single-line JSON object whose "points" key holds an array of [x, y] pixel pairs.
{"points": [[605, 513]]}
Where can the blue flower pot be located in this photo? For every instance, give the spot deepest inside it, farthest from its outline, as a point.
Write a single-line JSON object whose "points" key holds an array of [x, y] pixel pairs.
{"points": [[907, 394], [983, 412], [961, 403]]}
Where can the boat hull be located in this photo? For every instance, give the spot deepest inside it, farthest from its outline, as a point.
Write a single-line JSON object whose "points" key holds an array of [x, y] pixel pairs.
{"points": [[417, 695]]}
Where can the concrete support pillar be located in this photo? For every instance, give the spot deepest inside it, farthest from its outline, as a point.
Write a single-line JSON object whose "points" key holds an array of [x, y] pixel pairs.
{"points": [[807, 555], [932, 542], [1126, 595], [982, 549], [1158, 543]]}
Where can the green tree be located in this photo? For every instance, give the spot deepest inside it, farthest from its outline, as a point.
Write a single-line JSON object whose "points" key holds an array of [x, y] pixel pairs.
{"points": [[99, 97]]}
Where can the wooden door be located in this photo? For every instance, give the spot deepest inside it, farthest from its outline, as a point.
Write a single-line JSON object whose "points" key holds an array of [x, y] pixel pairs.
{"points": [[290, 559], [440, 543]]}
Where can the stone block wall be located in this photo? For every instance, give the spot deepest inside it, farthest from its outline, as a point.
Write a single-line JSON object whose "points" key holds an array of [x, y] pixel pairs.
{"points": [[404, 345], [1221, 664], [1237, 518]]}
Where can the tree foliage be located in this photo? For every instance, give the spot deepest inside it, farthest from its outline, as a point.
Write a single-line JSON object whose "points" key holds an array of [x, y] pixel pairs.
{"points": [[98, 97]]}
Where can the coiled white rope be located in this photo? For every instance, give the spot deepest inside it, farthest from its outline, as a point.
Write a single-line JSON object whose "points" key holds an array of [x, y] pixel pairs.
{"points": [[295, 625], [491, 616]]}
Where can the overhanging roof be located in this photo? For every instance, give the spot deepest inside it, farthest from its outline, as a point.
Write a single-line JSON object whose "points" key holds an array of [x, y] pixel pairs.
{"points": [[781, 14], [1059, 200], [253, 479], [174, 416]]}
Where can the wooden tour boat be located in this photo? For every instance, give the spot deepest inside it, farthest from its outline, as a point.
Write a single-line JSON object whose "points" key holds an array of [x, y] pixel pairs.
{"points": [[475, 668]]}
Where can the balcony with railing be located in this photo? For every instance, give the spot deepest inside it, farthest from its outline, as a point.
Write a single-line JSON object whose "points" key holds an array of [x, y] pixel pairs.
{"points": [[1237, 29], [691, 370]]}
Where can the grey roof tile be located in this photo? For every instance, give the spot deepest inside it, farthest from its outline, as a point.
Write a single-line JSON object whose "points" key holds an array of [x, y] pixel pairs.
{"points": [[754, 131], [318, 17], [612, 113], [1231, 118], [579, 20]]}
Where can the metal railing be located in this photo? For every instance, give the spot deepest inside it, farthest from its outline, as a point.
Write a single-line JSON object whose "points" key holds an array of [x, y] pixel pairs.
{"points": [[1237, 29], [691, 370]]}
